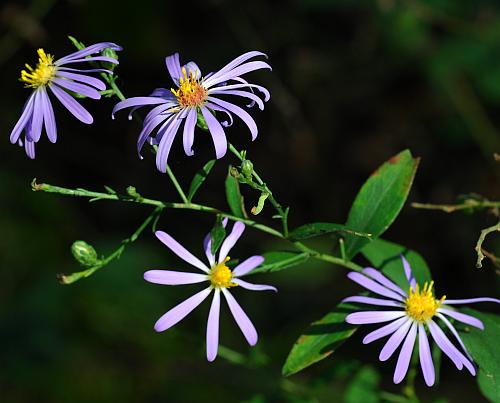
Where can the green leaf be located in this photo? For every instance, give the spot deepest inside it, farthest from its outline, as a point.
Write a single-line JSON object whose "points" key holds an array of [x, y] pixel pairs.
{"points": [[279, 260], [483, 346], [380, 200], [199, 178], [321, 228], [217, 234], [320, 340], [234, 197], [79, 45], [363, 387], [386, 256]]}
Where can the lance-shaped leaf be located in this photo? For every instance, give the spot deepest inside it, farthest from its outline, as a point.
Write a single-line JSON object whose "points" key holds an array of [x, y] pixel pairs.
{"points": [[320, 340], [234, 197], [483, 346], [380, 200], [386, 257], [199, 178], [279, 260], [217, 234], [320, 228]]}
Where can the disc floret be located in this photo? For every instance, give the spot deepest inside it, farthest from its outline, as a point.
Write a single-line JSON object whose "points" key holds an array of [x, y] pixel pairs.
{"points": [[421, 305], [42, 73], [221, 276], [190, 92]]}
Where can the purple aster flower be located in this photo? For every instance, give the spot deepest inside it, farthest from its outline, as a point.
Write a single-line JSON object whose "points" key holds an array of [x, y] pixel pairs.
{"points": [[412, 314], [194, 98], [220, 278], [59, 79]]}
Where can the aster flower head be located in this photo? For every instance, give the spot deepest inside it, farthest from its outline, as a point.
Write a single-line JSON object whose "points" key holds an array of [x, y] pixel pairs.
{"points": [[411, 316], [196, 98], [220, 279], [55, 76]]}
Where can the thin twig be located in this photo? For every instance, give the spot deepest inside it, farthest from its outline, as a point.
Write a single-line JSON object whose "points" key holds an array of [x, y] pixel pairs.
{"points": [[451, 208], [479, 244]]}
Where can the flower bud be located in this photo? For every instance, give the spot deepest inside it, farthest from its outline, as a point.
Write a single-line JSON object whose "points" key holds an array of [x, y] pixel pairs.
{"points": [[108, 52], [247, 169], [84, 253]]}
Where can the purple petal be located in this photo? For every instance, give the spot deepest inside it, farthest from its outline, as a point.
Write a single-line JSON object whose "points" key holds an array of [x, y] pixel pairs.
{"points": [[247, 265], [367, 317], [409, 273], [213, 327], [180, 251], [188, 135], [237, 61], [217, 108], [48, 117], [148, 127], [136, 101], [405, 355], [192, 67], [241, 318], [448, 348], [167, 138], [372, 301], [87, 59], [71, 105], [230, 241], [24, 119], [378, 276], [84, 70], [241, 113], [462, 317], [254, 287], [77, 87], [394, 341], [260, 88], [455, 333], [238, 71], [179, 312], [217, 132], [425, 356], [168, 277], [37, 120], [29, 147], [470, 300], [373, 286], [174, 67], [88, 51], [94, 82], [384, 330], [245, 94]]}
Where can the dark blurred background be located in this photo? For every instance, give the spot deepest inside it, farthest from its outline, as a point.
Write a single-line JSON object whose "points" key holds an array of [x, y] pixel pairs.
{"points": [[353, 83]]}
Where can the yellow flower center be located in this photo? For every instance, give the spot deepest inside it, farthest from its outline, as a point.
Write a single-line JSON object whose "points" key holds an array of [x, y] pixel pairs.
{"points": [[221, 275], [42, 73], [190, 91], [421, 304]]}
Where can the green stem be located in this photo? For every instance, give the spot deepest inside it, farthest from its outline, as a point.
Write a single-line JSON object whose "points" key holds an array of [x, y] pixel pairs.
{"points": [[451, 208], [177, 186]]}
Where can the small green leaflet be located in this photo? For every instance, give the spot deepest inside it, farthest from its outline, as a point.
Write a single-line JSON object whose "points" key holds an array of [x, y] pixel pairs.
{"points": [[279, 260], [199, 178], [234, 197], [380, 200], [321, 228], [217, 234]]}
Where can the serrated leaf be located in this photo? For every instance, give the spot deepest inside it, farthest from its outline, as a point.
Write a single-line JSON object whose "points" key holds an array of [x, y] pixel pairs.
{"points": [[386, 257], [217, 235], [279, 260], [320, 340], [380, 200], [483, 346], [199, 178], [320, 228], [234, 197]]}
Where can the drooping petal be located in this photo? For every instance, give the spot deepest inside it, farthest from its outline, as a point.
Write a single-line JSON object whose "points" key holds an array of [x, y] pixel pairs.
{"points": [[188, 135], [26, 116], [136, 101], [384, 330], [29, 147], [425, 356], [88, 51], [216, 131], [260, 88], [148, 127], [237, 71], [207, 244], [409, 273], [217, 108], [379, 277], [241, 318], [448, 348], [372, 301], [179, 312], [394, 341], [462, 317], [88, 59], [241, 113], [373, 286], [470, 300], [230, 241], [235, 62], [166, 139], [213, 327], [180, 251], [94, 82], [366, 317], [192, 67], [169, 277], [405, 355], [254, 287], [247, 265], [84, 70], [71, 105], [455, 333], [48, 116], [174, 67], [37, 121], [77, 87], [243, 94]]}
